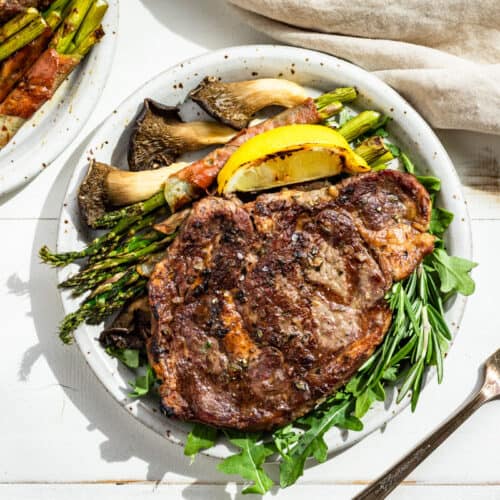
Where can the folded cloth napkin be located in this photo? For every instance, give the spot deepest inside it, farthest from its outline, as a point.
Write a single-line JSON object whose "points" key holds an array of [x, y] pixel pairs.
{"points": [[442, 55]]}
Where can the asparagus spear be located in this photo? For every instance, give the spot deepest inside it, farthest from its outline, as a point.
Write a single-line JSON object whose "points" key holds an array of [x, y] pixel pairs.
{"points": [[359, 124], [331, 103], [92, 19], [67, 31], [23, 37], [81, 287], [95, 308], [63, 259], [137, 209], [59, 7], [127, 258], [381, 162], [87, 43], [126, 238], [17, 23], [372, 149]]}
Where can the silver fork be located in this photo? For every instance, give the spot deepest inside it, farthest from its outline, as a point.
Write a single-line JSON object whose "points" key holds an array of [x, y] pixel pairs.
{"points": [[391, 478]]}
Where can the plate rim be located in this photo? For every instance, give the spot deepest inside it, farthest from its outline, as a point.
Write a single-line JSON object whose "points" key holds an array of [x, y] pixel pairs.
{"points": [[140, 409], [19, 170]]}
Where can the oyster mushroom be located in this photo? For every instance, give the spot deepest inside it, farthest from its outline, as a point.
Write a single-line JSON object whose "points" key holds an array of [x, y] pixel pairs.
{"points": [[160, 136], [235, 103], [106, 186]]}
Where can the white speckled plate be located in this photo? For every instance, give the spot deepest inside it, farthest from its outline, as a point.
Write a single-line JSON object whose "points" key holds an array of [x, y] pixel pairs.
{"points": [[317, 71], [57, 123]]}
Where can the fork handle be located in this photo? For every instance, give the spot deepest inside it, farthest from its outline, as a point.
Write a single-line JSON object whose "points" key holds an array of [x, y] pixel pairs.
{"points": [[391, 478]]}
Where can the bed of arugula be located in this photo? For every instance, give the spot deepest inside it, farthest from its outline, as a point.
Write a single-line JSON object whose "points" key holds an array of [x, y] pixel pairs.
{"points": [[418, 338]]}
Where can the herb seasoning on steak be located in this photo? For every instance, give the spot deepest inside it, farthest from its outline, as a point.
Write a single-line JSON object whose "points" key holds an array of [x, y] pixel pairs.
{"points": [[261, 310]]}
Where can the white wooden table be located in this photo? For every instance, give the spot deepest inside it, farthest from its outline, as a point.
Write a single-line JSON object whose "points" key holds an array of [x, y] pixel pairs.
{"points": [[63, 437]]}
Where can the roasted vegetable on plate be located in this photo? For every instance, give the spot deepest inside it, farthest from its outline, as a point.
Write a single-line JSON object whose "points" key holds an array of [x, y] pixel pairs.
{"points": [[274, 288], [38, 51]]}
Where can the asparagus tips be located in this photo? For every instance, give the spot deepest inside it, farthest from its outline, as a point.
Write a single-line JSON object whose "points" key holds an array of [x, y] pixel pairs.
{"points": [[55, 13], [235, 103], [91, 22], [136, 210], [22, 37], [360, 124], [18, 23], [87, 43], [372, 149], [328, 104], [101, 305], [63, 259], [67, 31]]}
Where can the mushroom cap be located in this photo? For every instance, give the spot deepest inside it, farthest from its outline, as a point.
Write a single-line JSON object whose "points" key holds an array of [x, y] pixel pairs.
{"points": [[151, 144], [92, 194], [219, 101]]}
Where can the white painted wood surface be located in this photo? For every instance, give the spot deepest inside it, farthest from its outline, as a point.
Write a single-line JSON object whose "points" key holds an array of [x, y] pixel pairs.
{"points": [[63, 437]]}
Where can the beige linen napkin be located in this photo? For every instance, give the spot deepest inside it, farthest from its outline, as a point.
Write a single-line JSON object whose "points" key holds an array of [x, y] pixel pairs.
{"points": [[442, 55]]}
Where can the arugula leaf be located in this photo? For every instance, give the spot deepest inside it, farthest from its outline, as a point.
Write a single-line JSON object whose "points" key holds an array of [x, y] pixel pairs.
{"points": [[364, 402], [248, 463], [453, 272], [431, 183], [407, 164], [396, 152], [440, 220], [143, 384], [381, 132], [311, 442], [200, 438], [129, 357]]}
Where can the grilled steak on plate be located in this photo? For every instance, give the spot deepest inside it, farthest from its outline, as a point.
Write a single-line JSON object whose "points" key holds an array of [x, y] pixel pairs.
{"points": [[261, 310]]}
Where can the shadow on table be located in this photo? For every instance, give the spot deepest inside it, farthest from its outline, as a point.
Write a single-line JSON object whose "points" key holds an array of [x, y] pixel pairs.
{"points": [[210, 24]]}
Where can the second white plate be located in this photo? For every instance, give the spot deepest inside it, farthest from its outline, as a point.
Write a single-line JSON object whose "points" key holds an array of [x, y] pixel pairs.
{"points": [[57, 123]]}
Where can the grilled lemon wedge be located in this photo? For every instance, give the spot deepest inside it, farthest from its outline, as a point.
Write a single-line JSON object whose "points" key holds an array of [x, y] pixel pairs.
{"points": [[288, 155]]}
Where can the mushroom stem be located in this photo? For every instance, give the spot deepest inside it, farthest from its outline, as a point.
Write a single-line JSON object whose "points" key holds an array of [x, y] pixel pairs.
{"points": [[124, 187], [235, 103]]}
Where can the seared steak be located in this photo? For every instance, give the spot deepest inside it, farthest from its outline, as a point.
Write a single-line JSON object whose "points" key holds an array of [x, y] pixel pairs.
{"points": [[261, 310]]}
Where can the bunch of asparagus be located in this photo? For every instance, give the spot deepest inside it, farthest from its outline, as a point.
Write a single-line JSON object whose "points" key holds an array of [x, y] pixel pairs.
{"points": [[119, 262], [38, 51]]}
